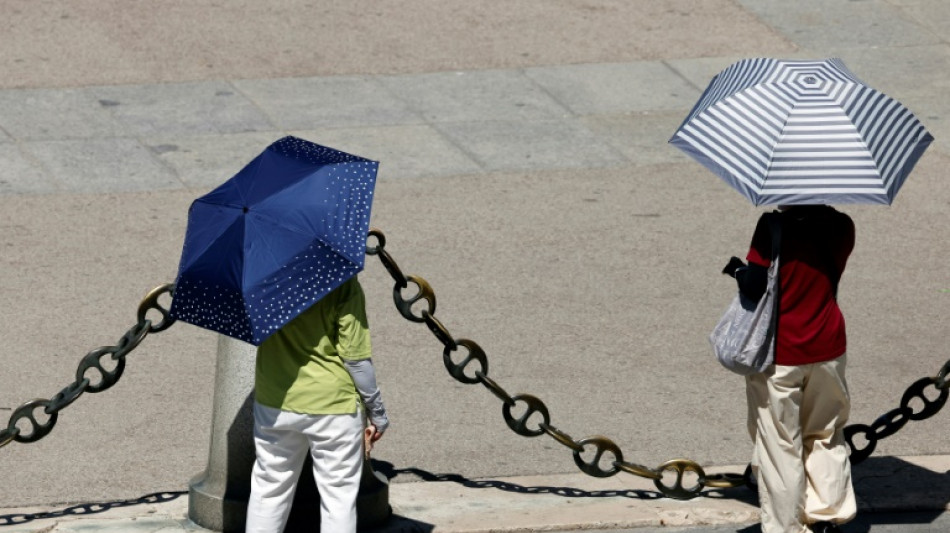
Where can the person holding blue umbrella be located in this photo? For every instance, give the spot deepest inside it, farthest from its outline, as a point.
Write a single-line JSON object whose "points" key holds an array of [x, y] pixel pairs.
{"points": [[802, 134], [270, 257], [313, 379]]}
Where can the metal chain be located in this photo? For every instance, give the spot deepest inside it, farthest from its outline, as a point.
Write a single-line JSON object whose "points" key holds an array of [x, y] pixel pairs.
{"points": [[109, 370], [594, 465], [892, 421], [680, 479], [467, 362]]}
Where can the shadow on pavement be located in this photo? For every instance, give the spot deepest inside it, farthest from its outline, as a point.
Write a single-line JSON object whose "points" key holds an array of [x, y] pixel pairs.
{"points": [[89, 508], [903, 490], [401, 524], [390, 471], [895, 522], [894, 495], [743, 494]]}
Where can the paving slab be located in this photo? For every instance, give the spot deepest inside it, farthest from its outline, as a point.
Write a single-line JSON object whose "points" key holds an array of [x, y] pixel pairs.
{"points": [[184, 109], [910, 74], [21, 173], [405, 151], [341, 101], [616, 88], [53, 114], [640, 137], [819, 25], [931, 14], [112, 164], [540, 144], [467, 96]]}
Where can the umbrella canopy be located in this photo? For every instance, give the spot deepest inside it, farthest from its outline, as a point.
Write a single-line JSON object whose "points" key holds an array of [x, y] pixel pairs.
{"points": [[278, 236], [802, 132]]}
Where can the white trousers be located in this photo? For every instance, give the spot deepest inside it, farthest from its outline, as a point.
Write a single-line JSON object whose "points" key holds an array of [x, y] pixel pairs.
{"points": [[282, 440], [797, 415]]}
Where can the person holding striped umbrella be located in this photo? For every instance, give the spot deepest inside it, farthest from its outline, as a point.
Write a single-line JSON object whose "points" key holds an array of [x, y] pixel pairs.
{"points": [[802, 135]]}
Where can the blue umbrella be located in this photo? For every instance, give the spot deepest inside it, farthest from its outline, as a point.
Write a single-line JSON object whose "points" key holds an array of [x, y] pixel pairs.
{"points": [[802, 132], [271, 241]]}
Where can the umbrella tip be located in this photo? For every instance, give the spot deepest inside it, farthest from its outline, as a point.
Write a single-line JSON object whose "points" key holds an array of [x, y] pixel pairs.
{"points": [[246, 209]]}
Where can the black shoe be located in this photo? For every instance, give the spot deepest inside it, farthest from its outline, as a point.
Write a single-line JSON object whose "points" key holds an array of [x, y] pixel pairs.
{"points": [[825, 527]]}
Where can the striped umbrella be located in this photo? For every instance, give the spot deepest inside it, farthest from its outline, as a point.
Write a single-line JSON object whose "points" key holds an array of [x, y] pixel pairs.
{"points": [[802, 132]]}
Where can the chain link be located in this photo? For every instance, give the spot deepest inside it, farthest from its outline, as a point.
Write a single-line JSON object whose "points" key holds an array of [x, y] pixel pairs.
{"points": [[520, 424], [404, 305], [892, 421], [601, 446], [679, 468], [109, 370], [688, 477], [475, 353]]}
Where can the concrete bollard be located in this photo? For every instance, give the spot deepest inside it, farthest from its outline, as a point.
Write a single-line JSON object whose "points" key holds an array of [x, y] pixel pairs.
{"points": [[217, 498]]}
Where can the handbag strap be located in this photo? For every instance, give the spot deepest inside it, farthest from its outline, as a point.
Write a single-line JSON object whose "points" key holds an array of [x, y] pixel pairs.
{"points": [[775, 228]]}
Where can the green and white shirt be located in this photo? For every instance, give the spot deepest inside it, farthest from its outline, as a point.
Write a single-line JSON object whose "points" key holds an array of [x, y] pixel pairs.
{"points": [[300, 367]]}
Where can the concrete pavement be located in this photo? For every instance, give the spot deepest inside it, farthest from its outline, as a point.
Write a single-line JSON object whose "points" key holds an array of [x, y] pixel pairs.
{"points": [[912, 492], [525, 174]]}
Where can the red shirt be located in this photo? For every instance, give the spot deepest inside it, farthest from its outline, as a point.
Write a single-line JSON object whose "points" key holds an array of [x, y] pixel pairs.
{"points": [[816, 244]]}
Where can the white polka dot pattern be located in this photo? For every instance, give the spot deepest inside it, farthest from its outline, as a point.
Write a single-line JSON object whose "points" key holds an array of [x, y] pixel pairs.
{"points": [[271, 241]]}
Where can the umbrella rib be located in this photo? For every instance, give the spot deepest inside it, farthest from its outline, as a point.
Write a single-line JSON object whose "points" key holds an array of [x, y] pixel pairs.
{"points": [[309, 237], [195, 256]]}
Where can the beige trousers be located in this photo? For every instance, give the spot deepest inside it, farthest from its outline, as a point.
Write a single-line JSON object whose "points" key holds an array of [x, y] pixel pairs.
{"points": [[797, 416]]}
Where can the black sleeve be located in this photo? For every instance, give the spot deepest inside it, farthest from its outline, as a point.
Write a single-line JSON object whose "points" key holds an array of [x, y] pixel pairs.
{"points": [[734, 264], [752, 281]]}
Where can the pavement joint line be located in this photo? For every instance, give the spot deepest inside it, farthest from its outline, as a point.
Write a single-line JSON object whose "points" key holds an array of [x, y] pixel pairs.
{"points": [[682, 76]]}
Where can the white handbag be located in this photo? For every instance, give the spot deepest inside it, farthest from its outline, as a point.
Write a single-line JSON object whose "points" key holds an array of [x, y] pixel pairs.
{"points": [[744, 338]]}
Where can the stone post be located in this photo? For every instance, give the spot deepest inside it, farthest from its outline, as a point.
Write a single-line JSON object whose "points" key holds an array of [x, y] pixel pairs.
{"points": [[217, 498]]}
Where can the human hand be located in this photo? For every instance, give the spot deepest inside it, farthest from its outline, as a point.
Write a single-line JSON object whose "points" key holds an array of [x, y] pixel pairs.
{"points": [[370, 436]]}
